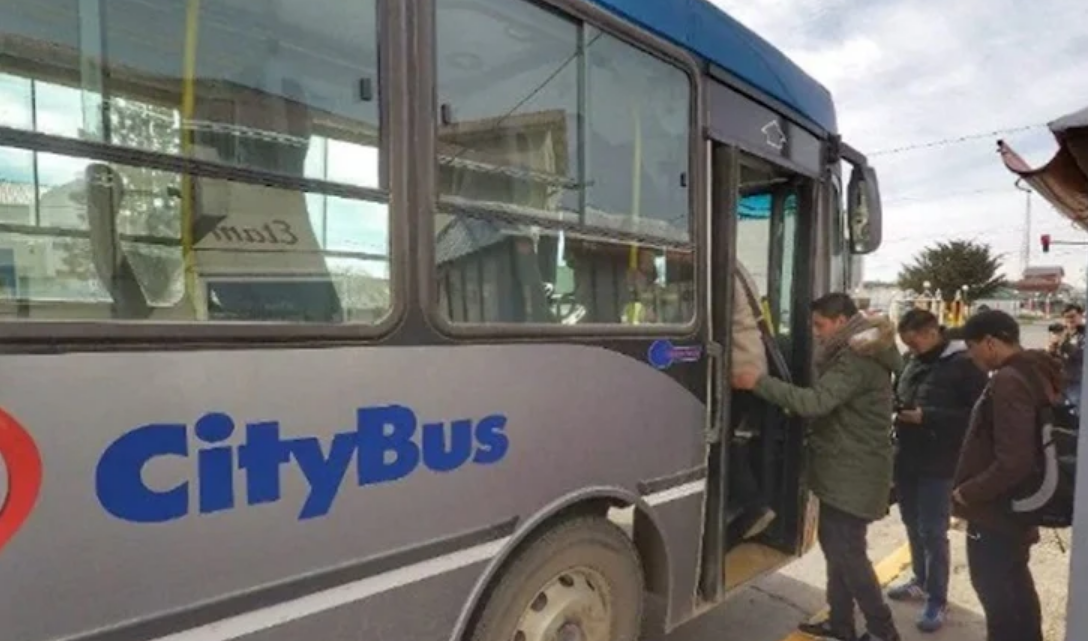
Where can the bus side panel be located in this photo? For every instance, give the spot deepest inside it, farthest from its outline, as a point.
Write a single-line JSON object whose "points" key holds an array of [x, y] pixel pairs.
{"points": [[420, 611], [173, 482], [683, 524]]}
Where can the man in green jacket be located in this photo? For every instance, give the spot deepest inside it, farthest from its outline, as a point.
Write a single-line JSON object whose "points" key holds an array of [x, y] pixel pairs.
{"points": [[849, 454]]}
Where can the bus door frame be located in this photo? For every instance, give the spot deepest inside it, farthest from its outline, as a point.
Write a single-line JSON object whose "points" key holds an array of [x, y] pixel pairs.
{"points": [[724, 169], [740, 119]]}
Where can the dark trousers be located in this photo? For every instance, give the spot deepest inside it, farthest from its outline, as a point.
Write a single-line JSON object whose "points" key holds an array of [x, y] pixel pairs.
{"points": [[745, 491], [850, 575], [926, 507], [998, 564]]}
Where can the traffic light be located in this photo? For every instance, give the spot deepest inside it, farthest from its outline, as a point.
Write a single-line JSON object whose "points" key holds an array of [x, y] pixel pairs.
{"points": [[1045, 238]]}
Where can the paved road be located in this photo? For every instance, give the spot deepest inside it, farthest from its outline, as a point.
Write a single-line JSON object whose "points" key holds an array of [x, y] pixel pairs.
{"points": [[770, 609], [1034, 335]]}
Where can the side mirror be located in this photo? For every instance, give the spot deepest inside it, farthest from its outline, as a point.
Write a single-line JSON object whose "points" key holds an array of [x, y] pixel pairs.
{"points": [[864, 211]]}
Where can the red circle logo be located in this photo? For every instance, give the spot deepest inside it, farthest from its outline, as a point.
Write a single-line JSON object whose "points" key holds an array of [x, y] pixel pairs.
{"points": [[23, 464]]}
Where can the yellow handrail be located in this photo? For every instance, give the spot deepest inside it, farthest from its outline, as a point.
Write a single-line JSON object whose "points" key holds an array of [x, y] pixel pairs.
{"points": [[632, 313], [188, 107]]}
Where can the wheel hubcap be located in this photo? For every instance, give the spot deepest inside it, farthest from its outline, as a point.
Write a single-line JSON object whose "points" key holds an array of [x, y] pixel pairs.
{"points": [[574, 606]]}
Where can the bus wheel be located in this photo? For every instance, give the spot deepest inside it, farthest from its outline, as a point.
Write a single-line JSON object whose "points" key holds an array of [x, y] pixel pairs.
{"points": [[580, 581]]}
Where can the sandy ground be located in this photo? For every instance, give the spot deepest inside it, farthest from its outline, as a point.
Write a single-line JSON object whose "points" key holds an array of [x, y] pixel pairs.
{"points": [[770, 609]]}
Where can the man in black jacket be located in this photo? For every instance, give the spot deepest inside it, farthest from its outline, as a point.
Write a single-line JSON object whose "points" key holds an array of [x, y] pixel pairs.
{"points": [[935, 392], [1070, 349]]}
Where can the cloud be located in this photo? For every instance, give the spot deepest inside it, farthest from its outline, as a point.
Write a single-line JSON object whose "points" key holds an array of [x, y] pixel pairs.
{"points": [[905, 73]]}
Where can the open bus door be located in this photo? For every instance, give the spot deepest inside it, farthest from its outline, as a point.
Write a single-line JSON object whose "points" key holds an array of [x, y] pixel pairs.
{"points": [[778, 247], [762, 217]]}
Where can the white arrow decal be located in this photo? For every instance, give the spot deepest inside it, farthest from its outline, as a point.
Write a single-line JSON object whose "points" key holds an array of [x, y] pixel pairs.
{"points": [[775, 136]]}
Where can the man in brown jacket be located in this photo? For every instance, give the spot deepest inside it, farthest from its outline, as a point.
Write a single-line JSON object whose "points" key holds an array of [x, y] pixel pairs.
{"points": [[998, 455]]}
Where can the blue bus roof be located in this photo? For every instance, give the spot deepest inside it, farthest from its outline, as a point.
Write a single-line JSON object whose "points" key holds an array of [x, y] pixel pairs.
{"points": [[709, 33]]}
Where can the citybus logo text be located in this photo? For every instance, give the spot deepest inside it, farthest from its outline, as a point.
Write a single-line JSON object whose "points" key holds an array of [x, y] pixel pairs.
{"points": [[387, 444], [22, 469]]}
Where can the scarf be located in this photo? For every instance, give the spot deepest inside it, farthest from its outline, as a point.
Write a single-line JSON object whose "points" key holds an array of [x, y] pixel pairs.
{"points": [[828, 350]]}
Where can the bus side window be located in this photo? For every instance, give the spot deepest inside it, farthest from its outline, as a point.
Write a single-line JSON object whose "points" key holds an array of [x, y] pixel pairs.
{"points": [[541, 175], [285, 94]]}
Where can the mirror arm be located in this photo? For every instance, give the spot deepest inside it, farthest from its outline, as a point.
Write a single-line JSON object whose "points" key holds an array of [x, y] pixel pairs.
{"points": [[852, 156], [838, 150]]}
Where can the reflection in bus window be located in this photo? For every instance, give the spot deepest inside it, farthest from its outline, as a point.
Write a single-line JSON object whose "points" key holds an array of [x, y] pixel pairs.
{"points": [[497, 273], [106, 249], [251, 84], [289, 91], [637, 137], [528, 129], [508, 89]]}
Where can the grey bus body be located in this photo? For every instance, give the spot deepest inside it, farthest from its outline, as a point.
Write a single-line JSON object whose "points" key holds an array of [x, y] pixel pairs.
{"points": [[1076, 619], [376, 476]]}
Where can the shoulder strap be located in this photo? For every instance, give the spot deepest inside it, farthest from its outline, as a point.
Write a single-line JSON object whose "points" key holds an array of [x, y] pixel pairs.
{"points": [[750, 296]]}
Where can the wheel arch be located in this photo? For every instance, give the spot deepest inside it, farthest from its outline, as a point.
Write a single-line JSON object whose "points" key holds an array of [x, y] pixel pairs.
{"points": [[647, 535]]}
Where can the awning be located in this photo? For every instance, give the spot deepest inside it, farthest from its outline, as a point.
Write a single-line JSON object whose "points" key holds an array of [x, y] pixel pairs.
{"points": [[1063, 181]]}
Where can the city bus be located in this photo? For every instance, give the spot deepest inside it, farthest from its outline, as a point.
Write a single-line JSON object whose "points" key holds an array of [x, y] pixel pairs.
{"points": [[398, 319]]}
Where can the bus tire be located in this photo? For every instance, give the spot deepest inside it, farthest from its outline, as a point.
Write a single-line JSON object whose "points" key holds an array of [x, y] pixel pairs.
{"points": [[581, 580]]}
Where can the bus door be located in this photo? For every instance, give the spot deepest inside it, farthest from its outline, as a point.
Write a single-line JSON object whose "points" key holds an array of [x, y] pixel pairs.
{"points": [[758, 220]]}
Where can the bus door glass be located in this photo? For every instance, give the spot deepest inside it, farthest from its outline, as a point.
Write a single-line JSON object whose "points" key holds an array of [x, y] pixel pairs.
{"points": [[770, 240], [769, 247]]}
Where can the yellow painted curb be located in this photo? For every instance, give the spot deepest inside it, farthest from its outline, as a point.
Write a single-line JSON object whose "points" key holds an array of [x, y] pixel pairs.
{"points": [[887, 570]]}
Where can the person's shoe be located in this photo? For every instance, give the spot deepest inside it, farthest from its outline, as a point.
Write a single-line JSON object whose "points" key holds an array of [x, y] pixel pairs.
{"points": [[932, 618], [869, 636], [909, 591], [756, 522], [823, 631]]}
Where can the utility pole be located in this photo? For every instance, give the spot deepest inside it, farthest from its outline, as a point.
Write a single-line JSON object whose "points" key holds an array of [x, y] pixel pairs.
{"points": [[1025, 247]]}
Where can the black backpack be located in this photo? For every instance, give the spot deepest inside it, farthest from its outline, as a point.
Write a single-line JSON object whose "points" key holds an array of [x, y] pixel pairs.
{"points": [[1046, 499]]}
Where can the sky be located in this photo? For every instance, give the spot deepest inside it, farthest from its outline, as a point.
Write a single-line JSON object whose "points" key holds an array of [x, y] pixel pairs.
{"points": [[905, 74]]}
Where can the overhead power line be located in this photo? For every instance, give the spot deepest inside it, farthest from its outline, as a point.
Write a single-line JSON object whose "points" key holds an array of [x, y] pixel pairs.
{"points": [[943, 142], [948, 195]]}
